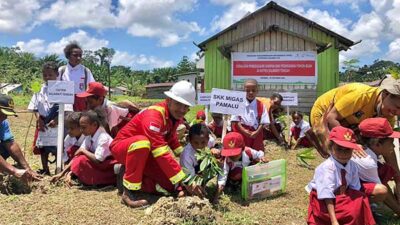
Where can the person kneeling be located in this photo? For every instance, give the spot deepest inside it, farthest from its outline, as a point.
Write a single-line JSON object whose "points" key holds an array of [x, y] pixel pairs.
{"points": [[237, 156], [93, 163]]}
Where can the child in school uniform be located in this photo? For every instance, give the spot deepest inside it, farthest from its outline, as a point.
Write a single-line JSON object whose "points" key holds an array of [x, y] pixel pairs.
{"points": [[377, 137], [335, 196], [298, 131], [72, 143], [74, 138], [250, 124], [216, 124], [46, 114], [237, 156], [93, 163], [200, 118], [198, 140]]}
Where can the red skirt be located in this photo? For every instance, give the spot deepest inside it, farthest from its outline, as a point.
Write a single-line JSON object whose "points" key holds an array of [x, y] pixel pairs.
{"points": [[254, 143], [351, 208], [296, 134], [90, 173]]}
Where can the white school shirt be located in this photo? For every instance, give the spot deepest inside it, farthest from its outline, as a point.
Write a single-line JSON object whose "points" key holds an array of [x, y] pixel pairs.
{"points": [[77, 75], [40, 103], [71, 141], [368, 167], [99, 144], [327, 178], [249, 117], [303, 125], [188, 159], [113, 113], [245, 161]]}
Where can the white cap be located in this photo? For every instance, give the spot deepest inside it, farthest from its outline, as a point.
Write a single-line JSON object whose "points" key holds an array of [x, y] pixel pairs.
{"points": [[183, 92]]}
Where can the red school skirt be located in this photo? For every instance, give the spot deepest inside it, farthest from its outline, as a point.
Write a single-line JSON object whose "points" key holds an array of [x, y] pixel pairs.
{"points": [[351, 208]]}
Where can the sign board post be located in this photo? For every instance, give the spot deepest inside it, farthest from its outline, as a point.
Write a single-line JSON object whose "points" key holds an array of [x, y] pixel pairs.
{"points": [[227, 102], [61, 92], [289, 99], [204, 99]]}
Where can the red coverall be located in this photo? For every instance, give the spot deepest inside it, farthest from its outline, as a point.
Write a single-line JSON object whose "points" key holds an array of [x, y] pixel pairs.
{"points": [[144, 146]]}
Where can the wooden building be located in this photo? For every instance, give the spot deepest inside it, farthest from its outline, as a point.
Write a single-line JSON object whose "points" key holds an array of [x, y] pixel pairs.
{"points": [[275, 28], [156, 91]]}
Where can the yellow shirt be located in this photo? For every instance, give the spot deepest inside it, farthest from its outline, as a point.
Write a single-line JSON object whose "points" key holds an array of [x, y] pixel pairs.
{"points": [[267, 104], [354, 102]]}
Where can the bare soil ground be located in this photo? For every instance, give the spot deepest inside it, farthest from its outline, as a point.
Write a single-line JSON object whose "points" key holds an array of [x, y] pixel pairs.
{"points": [[58, 204]]}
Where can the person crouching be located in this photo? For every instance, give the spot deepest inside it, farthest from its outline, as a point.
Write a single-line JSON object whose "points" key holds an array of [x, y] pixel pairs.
{"points": [[93, 163], [237, 156]]}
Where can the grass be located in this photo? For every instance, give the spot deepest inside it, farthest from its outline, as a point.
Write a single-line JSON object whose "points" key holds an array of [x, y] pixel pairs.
{"points": [[62, 205]]}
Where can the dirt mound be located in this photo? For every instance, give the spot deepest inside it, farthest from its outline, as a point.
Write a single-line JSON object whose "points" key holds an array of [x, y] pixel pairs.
{"points": [[188, 210], [10, 185]]}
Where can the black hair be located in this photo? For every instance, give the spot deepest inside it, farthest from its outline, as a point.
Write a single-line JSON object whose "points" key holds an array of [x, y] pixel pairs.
{"points": [[68, 49], [198, 129], [251, 81], [298, 113], [51, 65], [72, 119], [277, 95], [369, 142], [96, 115]]}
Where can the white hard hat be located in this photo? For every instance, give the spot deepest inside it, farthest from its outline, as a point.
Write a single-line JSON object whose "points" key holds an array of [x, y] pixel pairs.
{"points": [[182, 92]]}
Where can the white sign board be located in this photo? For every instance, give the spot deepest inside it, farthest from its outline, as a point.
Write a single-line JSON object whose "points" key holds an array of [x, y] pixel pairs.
{"points": [[47, 137], [61, 92], [289, 99], [203, 98], [227, 102], [299, 67]]}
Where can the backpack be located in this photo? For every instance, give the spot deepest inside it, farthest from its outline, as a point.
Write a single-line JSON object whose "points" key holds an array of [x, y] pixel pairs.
{"points": [[63, 68]]}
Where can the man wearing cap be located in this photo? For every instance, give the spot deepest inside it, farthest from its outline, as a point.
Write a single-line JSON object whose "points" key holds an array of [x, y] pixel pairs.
{"points": [[96, 97], [8, 147], [144, 147], [237, 156]]}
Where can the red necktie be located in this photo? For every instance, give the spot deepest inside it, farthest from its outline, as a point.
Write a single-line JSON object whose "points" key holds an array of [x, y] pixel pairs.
{"points": [[343, 187]]}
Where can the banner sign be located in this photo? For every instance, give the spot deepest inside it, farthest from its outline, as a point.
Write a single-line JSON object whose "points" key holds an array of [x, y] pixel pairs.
{"points": [[61, 92], [47, 137], [289, 99], [227, 102], [275, 67], [203, 98]]}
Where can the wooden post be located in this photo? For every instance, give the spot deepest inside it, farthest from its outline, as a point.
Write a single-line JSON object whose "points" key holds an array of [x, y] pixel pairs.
{"points": [[224, 126]]}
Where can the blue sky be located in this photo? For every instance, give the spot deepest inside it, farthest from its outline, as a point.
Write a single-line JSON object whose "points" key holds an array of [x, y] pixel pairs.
{"points": [[157, 33]]}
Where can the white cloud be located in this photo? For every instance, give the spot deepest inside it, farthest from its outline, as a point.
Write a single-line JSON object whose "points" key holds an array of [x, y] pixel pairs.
{"points": [[126, 59], [369, 26], [325, 19], [17, 15], [394, 51], [36, 46], [85, 41], [80, 13], [232, 15], [381, 5], [230, 2], [156, 19], [394, 18], [354, 4], [39, 47]]}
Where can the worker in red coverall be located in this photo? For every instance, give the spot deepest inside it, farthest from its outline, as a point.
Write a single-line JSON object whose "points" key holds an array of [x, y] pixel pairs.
{"points": [[144, 147]]}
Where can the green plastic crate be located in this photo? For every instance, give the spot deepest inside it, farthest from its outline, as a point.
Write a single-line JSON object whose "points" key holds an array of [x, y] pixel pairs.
{"points": [[264, 180]]}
